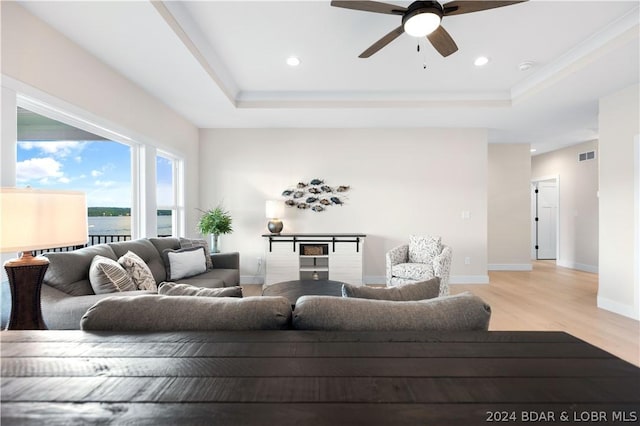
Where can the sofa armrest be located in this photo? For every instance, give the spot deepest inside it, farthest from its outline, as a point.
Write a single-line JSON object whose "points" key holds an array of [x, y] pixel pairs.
{"points": [[396, 256], [229, 260]]}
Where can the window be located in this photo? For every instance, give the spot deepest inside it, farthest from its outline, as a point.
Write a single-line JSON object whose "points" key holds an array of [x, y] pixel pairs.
{"points": [[54, 155], [165, 195], [60, 150]]}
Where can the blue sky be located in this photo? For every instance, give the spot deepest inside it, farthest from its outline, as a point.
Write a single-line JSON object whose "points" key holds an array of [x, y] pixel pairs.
{"points": [[102, 169]]}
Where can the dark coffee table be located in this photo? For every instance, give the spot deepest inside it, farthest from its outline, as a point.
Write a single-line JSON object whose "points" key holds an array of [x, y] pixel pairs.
{"points": [[296, 288]]}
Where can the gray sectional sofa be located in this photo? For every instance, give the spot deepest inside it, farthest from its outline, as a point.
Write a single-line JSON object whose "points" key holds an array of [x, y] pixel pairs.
{"points": [[67, 292]]}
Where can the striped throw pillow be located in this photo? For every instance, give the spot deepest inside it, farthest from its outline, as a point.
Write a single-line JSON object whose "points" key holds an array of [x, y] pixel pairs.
{"points": [[107, 276]]}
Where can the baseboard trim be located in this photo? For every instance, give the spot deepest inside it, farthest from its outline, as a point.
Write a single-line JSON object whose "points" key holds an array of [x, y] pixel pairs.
{"points": [[510, 267], [618, 308], [578, 266], [469, 279]]}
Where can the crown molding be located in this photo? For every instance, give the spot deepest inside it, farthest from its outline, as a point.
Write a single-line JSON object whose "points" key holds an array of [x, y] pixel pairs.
{"points": [[617, 33]]}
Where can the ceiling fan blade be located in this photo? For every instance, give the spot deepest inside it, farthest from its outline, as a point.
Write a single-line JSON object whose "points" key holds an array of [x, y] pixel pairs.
{"points": [[371, 6], [459, 7], [442, 41], [382, 42]]}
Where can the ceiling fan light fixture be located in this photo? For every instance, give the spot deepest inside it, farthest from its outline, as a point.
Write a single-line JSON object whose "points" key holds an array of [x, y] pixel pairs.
{"points": [[422, 23]]}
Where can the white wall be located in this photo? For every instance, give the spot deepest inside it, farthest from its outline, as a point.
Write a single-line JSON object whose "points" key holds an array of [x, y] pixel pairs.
{"points": [[43, 62], [619, 125], [509, 211], [578, 203], [403, 181]]}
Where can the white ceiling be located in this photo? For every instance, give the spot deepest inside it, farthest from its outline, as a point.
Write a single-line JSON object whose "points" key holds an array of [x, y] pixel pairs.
{"points": [[222, 64]]}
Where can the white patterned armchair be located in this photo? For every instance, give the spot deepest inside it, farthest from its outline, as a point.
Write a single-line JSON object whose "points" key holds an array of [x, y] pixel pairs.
{"points": [[422, 259]]}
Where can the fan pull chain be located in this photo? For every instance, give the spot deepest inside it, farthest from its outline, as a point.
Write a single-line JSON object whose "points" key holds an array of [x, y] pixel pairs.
{"points": [[424, 56]]}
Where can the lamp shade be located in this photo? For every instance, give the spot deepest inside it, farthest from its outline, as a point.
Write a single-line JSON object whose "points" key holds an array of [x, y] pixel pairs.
{"points": [[274, 209], [33, 219]]}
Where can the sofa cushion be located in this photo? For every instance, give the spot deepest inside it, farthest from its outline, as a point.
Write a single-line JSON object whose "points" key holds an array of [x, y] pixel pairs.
{"points": [[61, 312], [416, 291], [163, 243], [108, 276], [462, 312], [190, 243], [184, 313], [183, 263], [69, 271], [147, 252], [422, 249], [413, 271], [214, 278], [138, 271], [178, 289]]}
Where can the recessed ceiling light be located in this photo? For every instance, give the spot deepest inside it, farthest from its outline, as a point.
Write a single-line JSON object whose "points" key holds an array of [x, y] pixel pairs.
{"points": [[481, 61], [293, 61], [533, 150]]}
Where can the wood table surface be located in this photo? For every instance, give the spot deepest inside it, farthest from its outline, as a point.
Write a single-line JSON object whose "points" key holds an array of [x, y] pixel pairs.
{"points": [[312, 377]]}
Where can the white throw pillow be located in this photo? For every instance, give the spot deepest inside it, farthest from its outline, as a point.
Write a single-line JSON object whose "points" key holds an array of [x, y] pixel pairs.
{"points": [[184, 263]]}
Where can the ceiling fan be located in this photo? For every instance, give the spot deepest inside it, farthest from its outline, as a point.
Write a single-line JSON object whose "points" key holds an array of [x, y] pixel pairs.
{"points": [[420, 19]]}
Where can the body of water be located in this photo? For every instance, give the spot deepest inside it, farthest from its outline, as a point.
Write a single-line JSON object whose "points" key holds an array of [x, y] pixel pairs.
{"points": [[121, 225]]}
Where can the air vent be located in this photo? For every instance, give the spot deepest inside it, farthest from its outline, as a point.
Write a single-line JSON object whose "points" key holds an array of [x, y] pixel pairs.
{"points": [[584, 156]]}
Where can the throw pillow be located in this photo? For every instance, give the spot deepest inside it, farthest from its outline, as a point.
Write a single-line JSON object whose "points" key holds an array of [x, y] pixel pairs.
{"points": [[175, 289], [422, 249], [191, 243], [415, 291], [138, 271], [184, 263], [107, 276]]}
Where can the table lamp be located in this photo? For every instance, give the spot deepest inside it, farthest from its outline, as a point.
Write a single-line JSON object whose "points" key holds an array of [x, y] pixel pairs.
{"points": [[32, 219], [274, 209]]}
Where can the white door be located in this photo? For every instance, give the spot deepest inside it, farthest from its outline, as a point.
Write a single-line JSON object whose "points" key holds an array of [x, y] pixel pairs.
{"points": [[547, 219]]}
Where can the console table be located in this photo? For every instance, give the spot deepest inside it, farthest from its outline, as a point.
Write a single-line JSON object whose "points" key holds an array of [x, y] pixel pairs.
{"points": [[296, 377], [335, 257]]}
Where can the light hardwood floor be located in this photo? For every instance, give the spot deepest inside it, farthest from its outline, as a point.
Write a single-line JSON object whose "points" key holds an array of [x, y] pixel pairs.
{"points": [[557, 299], [551, 298]]}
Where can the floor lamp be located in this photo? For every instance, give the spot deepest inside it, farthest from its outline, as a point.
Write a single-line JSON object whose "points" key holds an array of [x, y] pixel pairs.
{"points": [[32, 219]]}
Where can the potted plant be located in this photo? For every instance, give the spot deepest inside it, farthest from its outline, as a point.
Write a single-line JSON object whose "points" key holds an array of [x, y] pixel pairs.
{"points": [[215, 222]]}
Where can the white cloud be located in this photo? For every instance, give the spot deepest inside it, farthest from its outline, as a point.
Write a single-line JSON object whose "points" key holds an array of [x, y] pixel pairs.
{"points": [[38, 169], [104, 183], [55, 148], [64, 180], [96, 173]]}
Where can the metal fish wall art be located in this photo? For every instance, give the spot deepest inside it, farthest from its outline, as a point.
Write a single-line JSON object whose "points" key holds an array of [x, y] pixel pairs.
{"points": [[307, 196]]}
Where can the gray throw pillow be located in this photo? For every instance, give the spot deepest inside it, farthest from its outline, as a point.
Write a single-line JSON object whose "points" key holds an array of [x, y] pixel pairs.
{"points": [[107, 276], [415, 291], [191, 243], [176, 289]]}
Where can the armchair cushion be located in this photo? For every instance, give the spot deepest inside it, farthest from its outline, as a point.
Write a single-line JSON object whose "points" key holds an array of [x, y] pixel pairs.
{"points": [[413, 271], [422, 249]]}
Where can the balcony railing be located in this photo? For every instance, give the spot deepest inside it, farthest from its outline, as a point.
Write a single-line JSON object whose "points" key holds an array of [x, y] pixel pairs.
{"points": [[93, 240]]}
